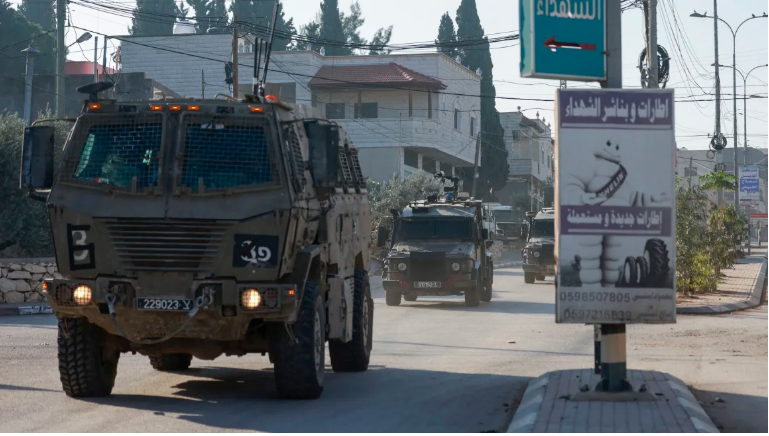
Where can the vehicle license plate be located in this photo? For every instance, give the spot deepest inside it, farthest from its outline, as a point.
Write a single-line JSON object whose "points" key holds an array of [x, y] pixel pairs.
{"points": [[550, 268], [427, 284], [172, 304]]}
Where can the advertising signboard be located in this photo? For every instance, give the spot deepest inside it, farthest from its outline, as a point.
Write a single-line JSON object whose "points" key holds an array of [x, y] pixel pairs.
{"points": [[615, 212], [749, 193]]}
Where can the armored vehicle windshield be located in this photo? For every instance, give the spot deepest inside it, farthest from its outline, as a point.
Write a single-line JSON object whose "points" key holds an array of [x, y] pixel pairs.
{"points": [[544, 228], [455, 229]]}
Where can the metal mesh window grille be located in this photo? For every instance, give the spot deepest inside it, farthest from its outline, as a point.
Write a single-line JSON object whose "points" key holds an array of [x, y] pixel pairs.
{"points": [[345, 167], [120, 151], [295, 148], [220, 153]]}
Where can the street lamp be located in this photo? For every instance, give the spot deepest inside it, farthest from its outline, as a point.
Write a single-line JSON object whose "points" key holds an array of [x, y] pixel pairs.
{"points": [[734, 85], [744, 104], [83, 38]]}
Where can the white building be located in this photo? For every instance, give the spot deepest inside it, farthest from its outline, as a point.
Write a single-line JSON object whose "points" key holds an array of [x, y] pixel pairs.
{"points": [[404, 112]]}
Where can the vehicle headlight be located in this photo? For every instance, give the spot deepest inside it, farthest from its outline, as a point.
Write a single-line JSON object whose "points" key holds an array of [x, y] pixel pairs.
{"points": [[82, 295], [251, 298], [455, 266], [402, 266], [536, 254]]}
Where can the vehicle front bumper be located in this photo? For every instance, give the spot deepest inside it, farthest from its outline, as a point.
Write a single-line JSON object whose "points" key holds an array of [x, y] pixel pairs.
{"points": [[224, 319], [448, 287], [539, 268]]}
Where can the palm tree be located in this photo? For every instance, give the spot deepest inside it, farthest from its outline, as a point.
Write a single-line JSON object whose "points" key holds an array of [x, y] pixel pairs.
{"points": [[719, 181]]}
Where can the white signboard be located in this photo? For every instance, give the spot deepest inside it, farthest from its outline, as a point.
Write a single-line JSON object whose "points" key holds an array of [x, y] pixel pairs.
{"points": [[615, 214], [749, 193]]}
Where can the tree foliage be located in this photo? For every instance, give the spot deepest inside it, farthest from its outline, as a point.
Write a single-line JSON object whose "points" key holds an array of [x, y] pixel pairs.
{"points": [[23, 222], [258, 17], [154, 18], [14, 26], [333, 29], [447, 36], [210, 15], [40, 12], [719, 180], [494, 170]]}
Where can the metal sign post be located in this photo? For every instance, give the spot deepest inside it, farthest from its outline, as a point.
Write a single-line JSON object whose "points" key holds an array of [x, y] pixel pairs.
{"points": [[563, 40]]}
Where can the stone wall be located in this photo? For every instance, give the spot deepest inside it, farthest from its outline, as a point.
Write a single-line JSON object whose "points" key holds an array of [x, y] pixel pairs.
{"points": [[21, 279]]}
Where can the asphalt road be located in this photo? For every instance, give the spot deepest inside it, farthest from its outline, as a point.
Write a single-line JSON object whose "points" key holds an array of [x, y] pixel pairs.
{"points": [[437, 366]]}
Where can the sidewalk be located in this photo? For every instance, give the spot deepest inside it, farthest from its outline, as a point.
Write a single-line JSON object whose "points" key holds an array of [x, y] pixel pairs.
{"points": [[548, 406], [742, 288]]}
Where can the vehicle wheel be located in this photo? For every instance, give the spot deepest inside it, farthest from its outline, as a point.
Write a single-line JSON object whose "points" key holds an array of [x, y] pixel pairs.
{"points": [[86, 367], [472, 296], [410, 297], [656, 254], [485, 295], [171, 362], [393, 298], [629, 276], [299, 366], [643, 270], [528, 277], [354, 356]]}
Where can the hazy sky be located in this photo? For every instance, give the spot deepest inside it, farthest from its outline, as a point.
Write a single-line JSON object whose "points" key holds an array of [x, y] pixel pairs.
{"points": [[417, 20]]}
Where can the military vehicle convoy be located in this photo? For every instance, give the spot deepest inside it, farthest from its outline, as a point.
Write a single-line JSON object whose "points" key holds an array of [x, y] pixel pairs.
{"points": [[438, 247], [538, 254], [204, 228]]}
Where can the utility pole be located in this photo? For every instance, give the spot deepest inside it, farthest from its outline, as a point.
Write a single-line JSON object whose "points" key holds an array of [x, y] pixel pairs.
{"points": [[202, 84], [61, 56], [104, 60], [719, 154], [30, 52], [613, 340], [651, 50], [235, 38], [691, 167], [734, 113], [475, 165]]}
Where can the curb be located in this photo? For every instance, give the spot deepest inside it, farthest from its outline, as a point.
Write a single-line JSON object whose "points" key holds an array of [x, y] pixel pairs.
{"points": [[752, 301], [526, 414], [699, 418], [25, 309]]}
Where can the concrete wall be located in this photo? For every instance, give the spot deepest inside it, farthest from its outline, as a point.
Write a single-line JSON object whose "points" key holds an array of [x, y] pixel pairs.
{"points": [[21, 279], [380, 163]]}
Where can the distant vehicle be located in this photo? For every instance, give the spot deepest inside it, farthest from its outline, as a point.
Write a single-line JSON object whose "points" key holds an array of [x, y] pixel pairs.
{"points": [[438, 247], [538, 254], [510, 229]]}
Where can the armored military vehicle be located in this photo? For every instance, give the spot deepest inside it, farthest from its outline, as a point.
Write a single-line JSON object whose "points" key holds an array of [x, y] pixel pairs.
{"points": [[204, 227], [538, 254], [438, 247]]}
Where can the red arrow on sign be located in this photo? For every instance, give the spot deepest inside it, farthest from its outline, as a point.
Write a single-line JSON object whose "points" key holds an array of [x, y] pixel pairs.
{"points": [[553, 44]]}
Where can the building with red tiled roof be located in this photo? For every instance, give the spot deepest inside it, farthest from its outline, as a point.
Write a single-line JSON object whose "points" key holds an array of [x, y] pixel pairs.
{"points": [[347, 76]]}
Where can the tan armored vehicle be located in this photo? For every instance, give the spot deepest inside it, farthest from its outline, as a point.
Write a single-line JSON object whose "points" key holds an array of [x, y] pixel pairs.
{"points": [[204, 228]]}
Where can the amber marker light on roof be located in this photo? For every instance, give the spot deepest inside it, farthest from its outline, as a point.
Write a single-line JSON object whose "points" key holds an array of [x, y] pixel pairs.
{"points": [[175, 107], [94, 106], [156, 107], [193, 107], [256, 109]]}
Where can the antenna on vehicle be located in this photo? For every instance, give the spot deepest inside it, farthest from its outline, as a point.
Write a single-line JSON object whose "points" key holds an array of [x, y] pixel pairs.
{"points": [[268, 51]]}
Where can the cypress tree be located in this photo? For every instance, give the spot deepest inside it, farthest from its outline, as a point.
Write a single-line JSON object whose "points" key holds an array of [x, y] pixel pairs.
{"points": [[153, 18], [447, 36], [257, 15], [494, 170], [331, 29]]}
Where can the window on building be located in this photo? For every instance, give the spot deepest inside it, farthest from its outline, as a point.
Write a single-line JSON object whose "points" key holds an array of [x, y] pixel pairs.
{"points": [[411, 158], [366, 110], [516, 135], [457, 119], [542, 156], [472, 127], [335, 111]]}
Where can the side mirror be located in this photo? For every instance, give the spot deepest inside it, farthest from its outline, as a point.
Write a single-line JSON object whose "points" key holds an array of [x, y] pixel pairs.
{"points": [[36, 170], [324, 154], [485, 234], [383, 234]]}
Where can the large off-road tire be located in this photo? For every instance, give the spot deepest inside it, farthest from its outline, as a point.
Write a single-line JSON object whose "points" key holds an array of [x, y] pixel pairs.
{"points": [[299, 367], [354, 356], [656, 254], [410, 298], [472, 296], [643, 271], [529, 277], [171, 362], [630, 272], [393, 298], [86, 367], [485, 295]]}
